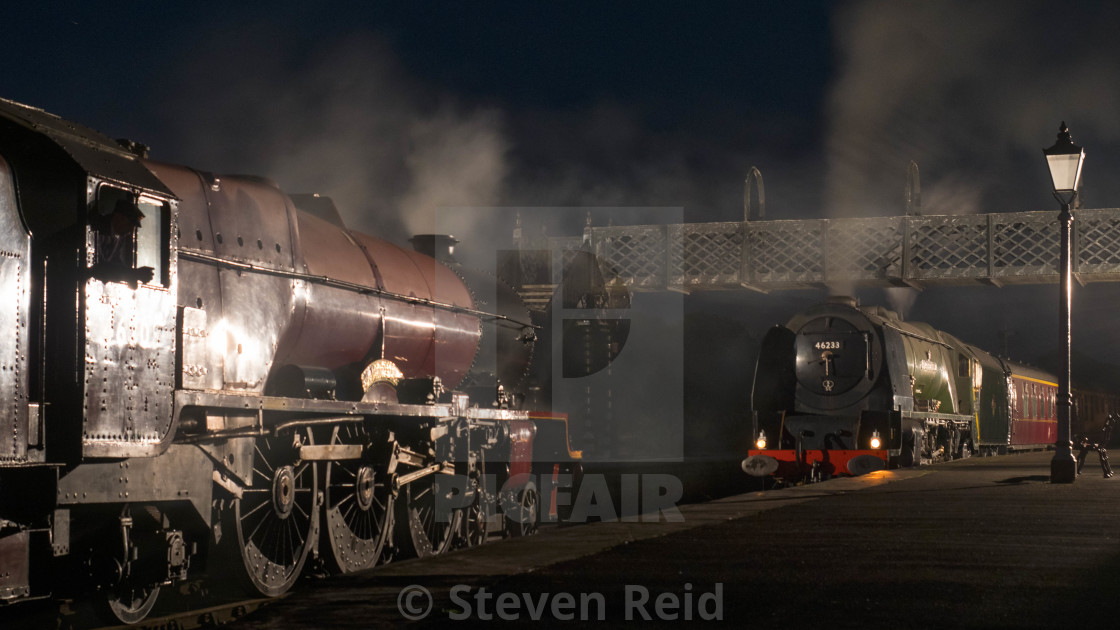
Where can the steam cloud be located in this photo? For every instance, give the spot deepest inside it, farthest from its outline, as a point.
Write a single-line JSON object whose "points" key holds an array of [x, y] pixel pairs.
{"points": [[971, 91], [901, 299], [348, 123]]}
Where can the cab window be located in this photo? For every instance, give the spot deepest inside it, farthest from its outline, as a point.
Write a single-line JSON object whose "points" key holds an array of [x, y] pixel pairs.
{"points": [[150, 246], [129, 243]]}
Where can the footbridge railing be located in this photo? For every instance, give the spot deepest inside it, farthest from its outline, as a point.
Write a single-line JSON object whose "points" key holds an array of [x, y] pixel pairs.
{"points": [[995, 249]]}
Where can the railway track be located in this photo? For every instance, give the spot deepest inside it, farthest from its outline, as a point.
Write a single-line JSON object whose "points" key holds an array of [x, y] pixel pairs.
{"points": [[187, 608]]}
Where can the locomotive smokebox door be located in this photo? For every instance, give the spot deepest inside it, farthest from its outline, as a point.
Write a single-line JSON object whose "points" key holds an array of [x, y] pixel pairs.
{"points": [[832, 356], [129, 311]]}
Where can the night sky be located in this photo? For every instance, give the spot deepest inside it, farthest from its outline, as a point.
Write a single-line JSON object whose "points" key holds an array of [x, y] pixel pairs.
{"points": [[397, 110]]}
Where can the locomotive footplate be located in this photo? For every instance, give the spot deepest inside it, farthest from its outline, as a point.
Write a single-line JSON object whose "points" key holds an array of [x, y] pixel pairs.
{"points": [[278, 407]]}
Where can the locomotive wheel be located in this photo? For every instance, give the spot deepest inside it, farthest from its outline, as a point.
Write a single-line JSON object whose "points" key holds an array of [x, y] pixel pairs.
{"points": [[276, 520], [429, 533], [523, 520], [477, 522], [126, 597], [358, 503], [477, 526]]}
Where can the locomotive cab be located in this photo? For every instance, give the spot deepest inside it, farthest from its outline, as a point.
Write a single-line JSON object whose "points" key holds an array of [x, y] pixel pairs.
{"points": [[100, 242], [88, 328], [129, 310]]}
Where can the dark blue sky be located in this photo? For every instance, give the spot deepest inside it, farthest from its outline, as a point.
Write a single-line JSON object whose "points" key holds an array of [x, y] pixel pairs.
{"points": [[672, 60], [734, 80]]}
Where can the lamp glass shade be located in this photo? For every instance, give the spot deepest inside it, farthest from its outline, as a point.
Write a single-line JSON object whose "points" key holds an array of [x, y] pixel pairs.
{"points": [[1065, 170]]}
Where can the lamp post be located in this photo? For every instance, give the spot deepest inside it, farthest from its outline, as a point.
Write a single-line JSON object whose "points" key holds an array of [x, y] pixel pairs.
{"points": [[1065, 160]]}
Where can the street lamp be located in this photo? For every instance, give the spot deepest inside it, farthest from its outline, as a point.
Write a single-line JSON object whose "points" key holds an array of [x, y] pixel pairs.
{"points": [[1065, 160]]}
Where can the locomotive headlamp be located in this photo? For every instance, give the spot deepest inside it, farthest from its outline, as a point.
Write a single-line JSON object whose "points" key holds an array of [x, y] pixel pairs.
{"points": [[1065, 160], [761, 441], [876, 442]]}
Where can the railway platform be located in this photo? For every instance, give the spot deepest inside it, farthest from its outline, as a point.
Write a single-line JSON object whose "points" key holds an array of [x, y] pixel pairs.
{"points": [[984, 542]]}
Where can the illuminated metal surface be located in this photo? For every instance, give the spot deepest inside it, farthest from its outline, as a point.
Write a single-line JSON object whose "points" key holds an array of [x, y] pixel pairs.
{"points": [[129, 371], [255, 403], [281, 286], [995, 249], [15, 278], [128, 353]]}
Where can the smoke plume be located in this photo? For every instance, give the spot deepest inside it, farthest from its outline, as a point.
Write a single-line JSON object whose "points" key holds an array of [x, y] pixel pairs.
{"points": [[971, 91], [346, 122]]}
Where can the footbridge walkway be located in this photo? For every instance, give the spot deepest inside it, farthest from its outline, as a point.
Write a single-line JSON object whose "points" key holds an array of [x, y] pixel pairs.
{"points": [[917, 251]]}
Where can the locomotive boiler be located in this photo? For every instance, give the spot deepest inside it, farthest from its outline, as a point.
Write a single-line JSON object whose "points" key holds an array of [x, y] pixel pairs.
{"points": [[844, 389], [204, 374]]}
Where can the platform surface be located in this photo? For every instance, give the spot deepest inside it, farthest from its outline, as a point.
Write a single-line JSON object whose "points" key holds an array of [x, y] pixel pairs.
{"points": [[985, 542]]}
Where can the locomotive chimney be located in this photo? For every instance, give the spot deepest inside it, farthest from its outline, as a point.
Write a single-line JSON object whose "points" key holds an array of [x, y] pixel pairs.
{"points": [[438, 246]]}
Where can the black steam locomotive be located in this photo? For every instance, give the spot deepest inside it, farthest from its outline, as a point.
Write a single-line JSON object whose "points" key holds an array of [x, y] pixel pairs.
{"points": [[204, 374], [844, 389]]}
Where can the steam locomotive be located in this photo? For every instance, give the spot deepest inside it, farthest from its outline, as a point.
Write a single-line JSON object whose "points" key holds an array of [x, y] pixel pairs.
{"points": [[203, 374], [844, 389]]}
